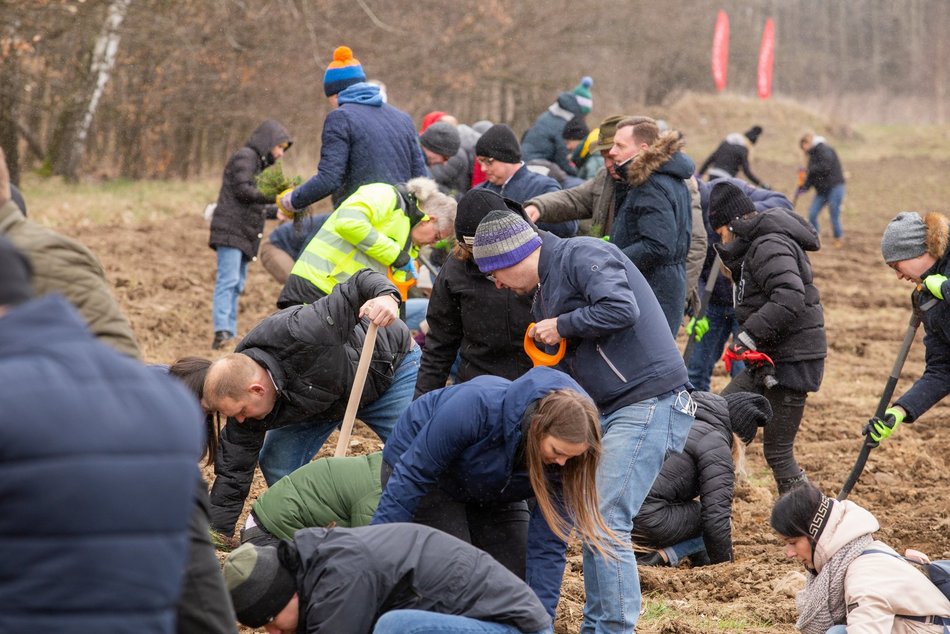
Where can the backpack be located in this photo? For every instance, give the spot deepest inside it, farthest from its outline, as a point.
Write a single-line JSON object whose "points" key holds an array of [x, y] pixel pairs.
{"points": [[938, 572]]}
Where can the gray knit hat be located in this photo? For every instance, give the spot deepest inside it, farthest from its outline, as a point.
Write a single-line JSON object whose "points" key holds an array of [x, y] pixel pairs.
{"points": [[260, 586], [441, 138], [503, 239], [748, 412], [905, 237]]}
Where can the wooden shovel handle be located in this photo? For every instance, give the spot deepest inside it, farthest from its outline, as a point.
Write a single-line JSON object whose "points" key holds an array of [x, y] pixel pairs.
{"points": [[358, 381]]}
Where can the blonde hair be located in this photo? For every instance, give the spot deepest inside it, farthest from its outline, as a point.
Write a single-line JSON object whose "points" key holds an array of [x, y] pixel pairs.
{"points": [[738, 458]]}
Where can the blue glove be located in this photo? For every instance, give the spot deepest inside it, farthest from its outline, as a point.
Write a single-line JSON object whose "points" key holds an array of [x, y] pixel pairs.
{"points": [[409, 268]]}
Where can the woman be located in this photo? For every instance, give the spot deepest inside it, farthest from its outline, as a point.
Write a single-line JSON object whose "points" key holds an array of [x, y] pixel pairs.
{"points": [[688, 512], [467, 458], [732, 155], [779, 314], [854, 583]]}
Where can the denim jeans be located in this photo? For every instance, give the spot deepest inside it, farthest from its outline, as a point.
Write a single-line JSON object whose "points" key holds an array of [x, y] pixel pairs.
{"points": [[708, 350], [636, 440], [288, 448], [422, 622], [228, 286], [416, 312], [678, 552], [837, 629], [833, 199]]}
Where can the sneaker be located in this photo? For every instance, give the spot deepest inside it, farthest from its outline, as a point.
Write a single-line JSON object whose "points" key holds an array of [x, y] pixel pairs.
{"points": [[220, 337]]}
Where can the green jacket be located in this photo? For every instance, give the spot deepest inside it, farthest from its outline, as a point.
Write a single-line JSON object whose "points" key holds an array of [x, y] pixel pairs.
{"points": [[341, 490]]}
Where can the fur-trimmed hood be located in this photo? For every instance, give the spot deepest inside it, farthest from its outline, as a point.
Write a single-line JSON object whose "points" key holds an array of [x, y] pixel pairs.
{"points": [[663, 156], [938, 231]]}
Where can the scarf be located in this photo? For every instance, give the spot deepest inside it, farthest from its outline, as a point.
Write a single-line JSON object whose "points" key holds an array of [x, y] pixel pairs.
{"points": [[821, 604]]}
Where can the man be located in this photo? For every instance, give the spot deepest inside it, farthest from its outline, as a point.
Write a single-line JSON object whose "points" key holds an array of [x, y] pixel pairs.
{"points": [[382, 579], [365, 140], [293, 374], [499, 154], [621, 351], [653, 225], [824, 173], [99, 458], [449, 164]]}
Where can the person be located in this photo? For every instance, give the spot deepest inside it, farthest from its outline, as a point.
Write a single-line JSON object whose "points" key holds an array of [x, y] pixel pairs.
{"points": [[825, 174], [544, 140], [62, 265], [621, 351], [466, 459], [99, 460], [293, 374], [286, 242], [382, 579], [365, 140], [854, 583], [915, 246], [585, 157], [719, 322], [440, 144], [499, 154], [468, 318], [732, 155], [779, 311], [380, 226], [238, 222], [653, 225], [672, 520]]}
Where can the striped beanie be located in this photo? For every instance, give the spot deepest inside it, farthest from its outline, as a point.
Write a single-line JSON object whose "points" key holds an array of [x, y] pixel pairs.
{"points": [[502, 240], [581, 92], [344, 71]]}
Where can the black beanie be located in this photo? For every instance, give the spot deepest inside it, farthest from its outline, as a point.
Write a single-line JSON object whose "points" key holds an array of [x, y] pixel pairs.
{"points": [[260, 586], [500, 143], [15, 275], [748, 412], [474, 206], [753, 133], [726, 203], [575, 130]]}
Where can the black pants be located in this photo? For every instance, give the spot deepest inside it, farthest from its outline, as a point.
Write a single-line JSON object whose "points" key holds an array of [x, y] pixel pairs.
{"points": [[788, 407], [501, 529]]}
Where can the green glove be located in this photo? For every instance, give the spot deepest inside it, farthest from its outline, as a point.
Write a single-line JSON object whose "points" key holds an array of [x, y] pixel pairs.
{"points": [[697, 328], [881, 428], [934, 284]]}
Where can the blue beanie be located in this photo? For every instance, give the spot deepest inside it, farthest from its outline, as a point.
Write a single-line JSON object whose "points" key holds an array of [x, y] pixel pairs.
{"points": [[503, 239], [344, 71]]}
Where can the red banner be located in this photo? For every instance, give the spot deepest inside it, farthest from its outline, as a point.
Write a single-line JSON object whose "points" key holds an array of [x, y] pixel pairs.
{"points": [[766, 58], [720, 51]]}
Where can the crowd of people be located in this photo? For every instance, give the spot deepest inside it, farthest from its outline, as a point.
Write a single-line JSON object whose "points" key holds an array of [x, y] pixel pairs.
{"points": [[599, 242]]}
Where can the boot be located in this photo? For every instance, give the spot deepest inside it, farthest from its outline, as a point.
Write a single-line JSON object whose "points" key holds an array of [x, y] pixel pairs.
{"points": [[220, 337], [652, 558], [787, 484]]}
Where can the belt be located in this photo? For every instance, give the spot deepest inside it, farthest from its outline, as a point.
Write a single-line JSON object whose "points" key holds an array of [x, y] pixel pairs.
{"points": [[928, 620]]}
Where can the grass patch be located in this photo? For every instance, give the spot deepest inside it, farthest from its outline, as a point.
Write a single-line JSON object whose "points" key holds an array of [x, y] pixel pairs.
{"points": [[741, 624], [655, 609]]}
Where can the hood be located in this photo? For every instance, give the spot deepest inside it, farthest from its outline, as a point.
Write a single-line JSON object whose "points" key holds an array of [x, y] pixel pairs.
{"points": [[362, 93], [468, 136], [846, 521], [713, 409], [662, 157], [528, 388], [737, 139], [266, 136], [777, 221], [762, 199], [566, 106]]}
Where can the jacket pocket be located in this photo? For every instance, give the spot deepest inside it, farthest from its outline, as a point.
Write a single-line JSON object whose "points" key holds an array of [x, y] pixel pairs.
{"points": [[610, 364]]}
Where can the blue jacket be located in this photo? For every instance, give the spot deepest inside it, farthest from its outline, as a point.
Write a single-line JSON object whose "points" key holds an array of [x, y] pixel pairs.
{"points": [[98, 472], [619, 346], [543, 139], [364, 141], [524, 185], [465, 439]]}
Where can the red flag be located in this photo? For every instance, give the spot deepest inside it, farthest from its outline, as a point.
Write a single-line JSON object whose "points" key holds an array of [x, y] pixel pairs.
{"points": [[766, 58], [720, 51]]}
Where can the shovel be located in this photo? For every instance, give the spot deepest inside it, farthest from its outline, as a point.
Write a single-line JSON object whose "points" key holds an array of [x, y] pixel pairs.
{"points": [[403, 287], [540, 357], [358, 381]]}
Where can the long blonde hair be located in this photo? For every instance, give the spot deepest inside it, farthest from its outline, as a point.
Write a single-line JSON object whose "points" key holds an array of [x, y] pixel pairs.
{"points": [[569, 416]]}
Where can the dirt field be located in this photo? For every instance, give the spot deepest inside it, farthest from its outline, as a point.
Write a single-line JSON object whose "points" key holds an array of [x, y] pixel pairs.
{"points": [[163, 276]]}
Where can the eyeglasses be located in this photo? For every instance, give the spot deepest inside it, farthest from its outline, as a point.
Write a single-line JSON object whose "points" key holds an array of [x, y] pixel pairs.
{"points": [[484, 161]]}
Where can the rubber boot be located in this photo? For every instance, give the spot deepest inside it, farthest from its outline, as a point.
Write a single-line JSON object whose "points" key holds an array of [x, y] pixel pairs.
{"points": [[787, 484]]}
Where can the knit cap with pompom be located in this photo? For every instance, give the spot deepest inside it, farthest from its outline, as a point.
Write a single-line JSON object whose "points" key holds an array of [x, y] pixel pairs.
{"points": [[344, 71], [581, 92]]}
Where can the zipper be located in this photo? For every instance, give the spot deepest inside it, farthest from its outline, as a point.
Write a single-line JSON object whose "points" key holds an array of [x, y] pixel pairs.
{"points": [[612, 366]]}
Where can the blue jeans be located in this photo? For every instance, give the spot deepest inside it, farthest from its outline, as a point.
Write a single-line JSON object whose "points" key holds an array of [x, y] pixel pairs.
{"points": [[228, 286], [422, 622], [636, 440], [833, 199], [678, 552], [837, 629], [708, 351], [288, 448], [416, 312]]}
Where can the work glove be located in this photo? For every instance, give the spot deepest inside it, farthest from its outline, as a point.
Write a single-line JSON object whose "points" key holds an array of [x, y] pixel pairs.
{"points": [[284, 203], [697, 328], [879, 429], [934, 284]]}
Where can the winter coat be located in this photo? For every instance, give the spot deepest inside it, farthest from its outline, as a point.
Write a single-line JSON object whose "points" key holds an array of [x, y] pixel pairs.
{"points": [[619, 346], [824, 168], [338, 491], [311, 353], [238, 220], [731, 156], [777, 303], [468, 440], [98, 481], [653, 226], [671, 513], [525, 184], [594, 199], [543, 139], [698, 242], [364, 141], [878, 586], [468, 316], [369, 230], [455, 175], [62, 265], [348, 577]]}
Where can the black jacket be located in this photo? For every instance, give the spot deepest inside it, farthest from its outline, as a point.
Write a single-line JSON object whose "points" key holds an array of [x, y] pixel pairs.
{"points": [[730, 157], [238, 220], [671, 513], [824, 169], [468, 315], [311, 352], [348, 577], [777, 302]]}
